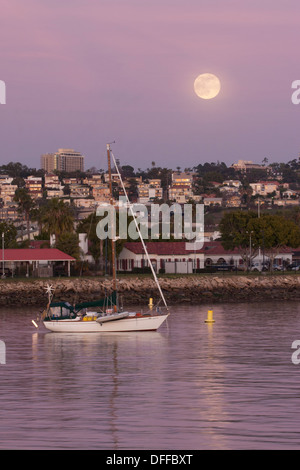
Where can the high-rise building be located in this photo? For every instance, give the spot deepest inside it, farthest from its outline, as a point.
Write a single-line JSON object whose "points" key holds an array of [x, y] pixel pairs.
{"points": [[49, 162], [63, 160]]}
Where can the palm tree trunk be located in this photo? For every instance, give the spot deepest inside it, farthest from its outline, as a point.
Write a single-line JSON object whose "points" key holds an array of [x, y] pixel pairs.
{"points": [[28, 225]]}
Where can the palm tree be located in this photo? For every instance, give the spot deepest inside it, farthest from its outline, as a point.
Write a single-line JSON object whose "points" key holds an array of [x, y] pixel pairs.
{"points": [[245, 193], [58, 218], [37, 215], [25, 205]]}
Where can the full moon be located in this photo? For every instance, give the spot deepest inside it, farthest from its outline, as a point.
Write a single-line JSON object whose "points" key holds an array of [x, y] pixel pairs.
{"points": [[207, 86]]}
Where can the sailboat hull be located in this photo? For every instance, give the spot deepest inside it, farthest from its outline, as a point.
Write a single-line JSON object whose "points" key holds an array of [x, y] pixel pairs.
{"points": [[137, 323]]}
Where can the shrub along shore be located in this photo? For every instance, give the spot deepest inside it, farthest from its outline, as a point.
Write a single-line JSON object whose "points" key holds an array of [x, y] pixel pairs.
{"points": [[192, 289]]}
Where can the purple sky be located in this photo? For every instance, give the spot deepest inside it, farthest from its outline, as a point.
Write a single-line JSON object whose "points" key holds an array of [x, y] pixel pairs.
{"points": [[81, 73]]}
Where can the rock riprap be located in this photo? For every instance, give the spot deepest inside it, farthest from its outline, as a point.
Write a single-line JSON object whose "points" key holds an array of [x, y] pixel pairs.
{"points": [[192, 289]]}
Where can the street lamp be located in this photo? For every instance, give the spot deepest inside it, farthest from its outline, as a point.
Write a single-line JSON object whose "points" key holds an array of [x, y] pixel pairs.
{"points": [[3, 272], [250, 233]]}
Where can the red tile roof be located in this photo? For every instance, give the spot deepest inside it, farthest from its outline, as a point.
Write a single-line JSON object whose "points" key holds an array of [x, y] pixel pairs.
{"points": [[162, 248], [179, 248], [31, 254], [276, 183], [159, 248]]}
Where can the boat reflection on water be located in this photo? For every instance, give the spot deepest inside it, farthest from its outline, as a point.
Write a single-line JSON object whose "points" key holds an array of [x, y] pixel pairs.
{"points": [[96, 372]]}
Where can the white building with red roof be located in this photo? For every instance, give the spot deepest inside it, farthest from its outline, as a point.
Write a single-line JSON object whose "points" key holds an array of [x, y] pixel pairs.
{"points": [[194, 256], [133, 255]]}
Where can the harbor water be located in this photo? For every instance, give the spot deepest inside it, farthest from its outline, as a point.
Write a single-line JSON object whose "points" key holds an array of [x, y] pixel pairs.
{"points": [[231, 384]]}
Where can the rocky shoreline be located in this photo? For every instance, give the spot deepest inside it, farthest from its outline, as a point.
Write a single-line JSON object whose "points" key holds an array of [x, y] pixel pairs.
{"points": [[206, 289]]}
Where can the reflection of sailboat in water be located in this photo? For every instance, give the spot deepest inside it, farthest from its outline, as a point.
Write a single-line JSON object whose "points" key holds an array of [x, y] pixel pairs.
{"points": [[107, 368], [63, 317]]}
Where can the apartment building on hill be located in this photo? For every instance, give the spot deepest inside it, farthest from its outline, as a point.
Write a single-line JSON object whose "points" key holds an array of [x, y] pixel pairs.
{"points": [[63, 160]]}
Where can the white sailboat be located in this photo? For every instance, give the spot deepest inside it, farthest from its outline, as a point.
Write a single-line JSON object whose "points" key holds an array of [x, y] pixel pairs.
{"points": [[65, 318]]}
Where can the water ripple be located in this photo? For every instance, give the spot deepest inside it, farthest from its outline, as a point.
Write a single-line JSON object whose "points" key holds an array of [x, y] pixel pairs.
{"points": [[230, 385]]}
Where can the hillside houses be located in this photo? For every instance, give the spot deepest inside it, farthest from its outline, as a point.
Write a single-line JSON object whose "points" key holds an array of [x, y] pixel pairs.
{"points": [[181, 187], [34, 184], [181, 190], [149, 192], [263, 188]]}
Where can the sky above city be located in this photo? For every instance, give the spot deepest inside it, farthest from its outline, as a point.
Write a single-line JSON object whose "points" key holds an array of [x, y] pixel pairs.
{"points": [[82, 73]]}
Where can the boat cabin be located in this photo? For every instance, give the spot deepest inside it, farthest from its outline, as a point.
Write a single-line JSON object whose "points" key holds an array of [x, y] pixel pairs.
{"points": [[61, 311]]}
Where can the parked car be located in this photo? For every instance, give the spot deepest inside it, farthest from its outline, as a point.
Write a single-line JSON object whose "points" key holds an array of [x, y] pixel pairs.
{"points": [[294, 266], [223, 267], [259, 267]]}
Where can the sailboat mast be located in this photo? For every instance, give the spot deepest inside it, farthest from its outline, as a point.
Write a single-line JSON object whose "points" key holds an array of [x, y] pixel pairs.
{"points": [[113, 251], [139, 232]]}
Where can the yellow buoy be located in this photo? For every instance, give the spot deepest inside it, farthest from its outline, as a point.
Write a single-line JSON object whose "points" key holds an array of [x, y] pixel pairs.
{"points": [[209, 318], [150, 303]]}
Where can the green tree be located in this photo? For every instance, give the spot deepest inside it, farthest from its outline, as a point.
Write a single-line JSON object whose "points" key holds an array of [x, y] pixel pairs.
{"points": [[236, 229], [246, 193], [127, 171], [269, 232], [57, 218], [69, 243], [37, 215], [88, 226], [100, 249], [276, 232], [10, 235]]}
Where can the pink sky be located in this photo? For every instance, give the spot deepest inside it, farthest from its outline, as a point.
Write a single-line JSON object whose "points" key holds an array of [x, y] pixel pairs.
{"points": [[80, 73]]}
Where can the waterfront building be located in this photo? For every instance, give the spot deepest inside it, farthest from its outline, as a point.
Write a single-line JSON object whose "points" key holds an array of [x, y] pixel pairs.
{"points": [[39, 262], [181, 256]]}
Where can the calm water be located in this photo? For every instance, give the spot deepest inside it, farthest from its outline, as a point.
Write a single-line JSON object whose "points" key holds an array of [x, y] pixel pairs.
{"points": [[230, 385]]}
